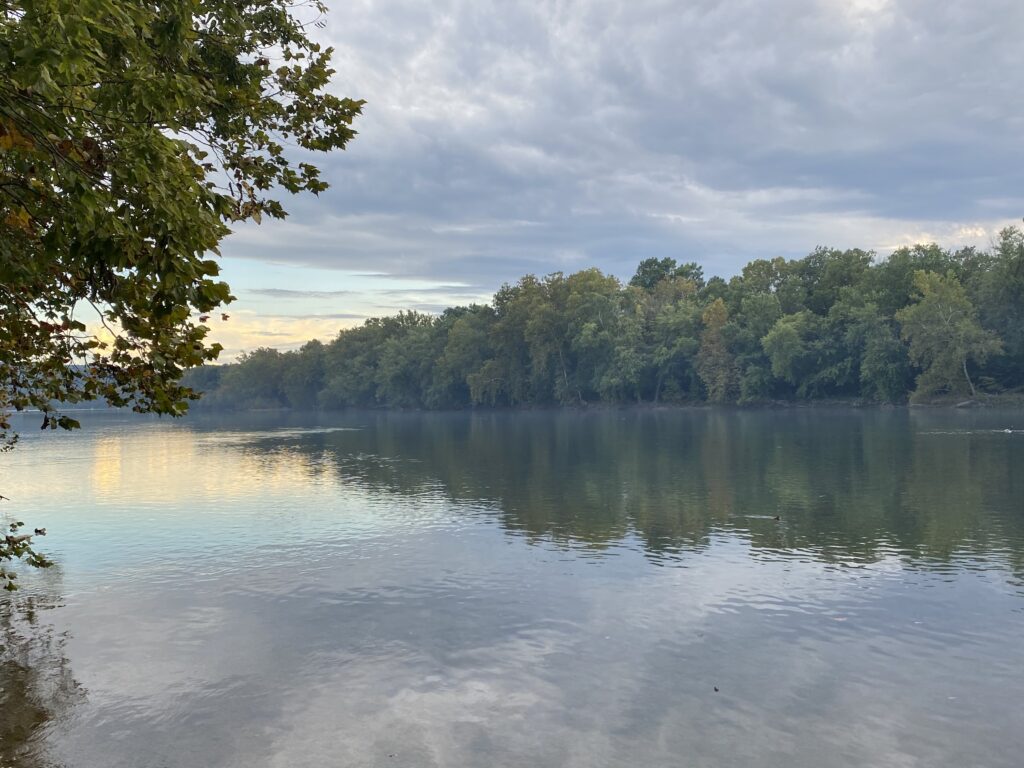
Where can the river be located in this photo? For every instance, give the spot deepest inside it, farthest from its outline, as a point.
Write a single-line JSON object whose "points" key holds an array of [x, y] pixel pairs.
{"points": [[773, 588]]}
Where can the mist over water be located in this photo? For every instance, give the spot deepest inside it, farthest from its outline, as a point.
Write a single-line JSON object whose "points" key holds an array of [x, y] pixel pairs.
{"points": [[521, 589]]}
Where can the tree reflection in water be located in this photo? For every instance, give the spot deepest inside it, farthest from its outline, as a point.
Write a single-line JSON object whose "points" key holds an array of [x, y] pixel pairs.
{"points": [[850, 486], [37, 687]]}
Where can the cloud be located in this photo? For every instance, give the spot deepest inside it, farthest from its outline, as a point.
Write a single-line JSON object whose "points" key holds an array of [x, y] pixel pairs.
{"points": [[442, 288], [330, 316], [247, 330], [284, 293], [501, 138]]}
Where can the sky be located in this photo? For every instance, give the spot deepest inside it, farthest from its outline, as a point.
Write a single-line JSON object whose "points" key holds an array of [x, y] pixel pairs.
{"points": [[512, 137]]}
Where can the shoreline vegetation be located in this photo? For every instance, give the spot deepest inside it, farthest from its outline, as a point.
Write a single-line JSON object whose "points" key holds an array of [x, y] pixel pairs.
{"points": [[925, 325], [1006, 401]]}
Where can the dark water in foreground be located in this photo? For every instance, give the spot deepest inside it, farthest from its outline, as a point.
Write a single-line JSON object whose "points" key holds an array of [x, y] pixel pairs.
{"points": [[530, 589]]}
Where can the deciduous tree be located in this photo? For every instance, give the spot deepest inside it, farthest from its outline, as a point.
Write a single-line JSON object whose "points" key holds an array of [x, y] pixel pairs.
{"points": [[133, 135], [944, 334], [715, 363]]}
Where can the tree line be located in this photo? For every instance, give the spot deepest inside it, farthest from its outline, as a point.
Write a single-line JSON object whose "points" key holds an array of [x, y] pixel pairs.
{"points": [[836, 324]]}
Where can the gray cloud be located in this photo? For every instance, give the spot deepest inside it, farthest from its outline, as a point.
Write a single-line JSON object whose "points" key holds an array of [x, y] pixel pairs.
{"points": [[430, 308], [319, 316], [509, 137], [442, 290], [284, 293]]}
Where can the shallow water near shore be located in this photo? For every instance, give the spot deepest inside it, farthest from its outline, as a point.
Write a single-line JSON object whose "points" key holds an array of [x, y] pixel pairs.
{"points": [[821, 587]]}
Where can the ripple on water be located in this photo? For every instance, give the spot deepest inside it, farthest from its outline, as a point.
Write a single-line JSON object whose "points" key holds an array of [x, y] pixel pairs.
{"points": [[477, 590]]}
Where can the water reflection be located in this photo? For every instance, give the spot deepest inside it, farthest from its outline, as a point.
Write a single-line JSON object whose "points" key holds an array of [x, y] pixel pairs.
{"points": [[847, 486], [529, 589], [160, 456], [37, 687]]}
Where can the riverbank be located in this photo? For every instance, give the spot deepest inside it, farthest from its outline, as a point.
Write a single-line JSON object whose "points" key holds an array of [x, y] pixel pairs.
{"points": [[1011, 400]]}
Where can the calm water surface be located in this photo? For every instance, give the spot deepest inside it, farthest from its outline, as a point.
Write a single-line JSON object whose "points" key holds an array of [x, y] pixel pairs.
{"points": [[532, 589]]}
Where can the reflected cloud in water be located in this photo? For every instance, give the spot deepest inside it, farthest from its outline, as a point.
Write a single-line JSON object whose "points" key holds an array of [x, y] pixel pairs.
{"points": [[538, 589]]}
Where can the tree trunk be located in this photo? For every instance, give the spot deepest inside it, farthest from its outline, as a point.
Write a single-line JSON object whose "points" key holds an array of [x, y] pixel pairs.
{"points": [[968, 377], [565, 376]]}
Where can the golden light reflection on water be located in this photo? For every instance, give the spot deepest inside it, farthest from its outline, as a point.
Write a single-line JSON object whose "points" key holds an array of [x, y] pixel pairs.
{"points": [[385, 614], [168, 467]]}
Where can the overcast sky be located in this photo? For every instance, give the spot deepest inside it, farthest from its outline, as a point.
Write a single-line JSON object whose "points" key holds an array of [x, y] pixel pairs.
{"points": [[508, 137]]}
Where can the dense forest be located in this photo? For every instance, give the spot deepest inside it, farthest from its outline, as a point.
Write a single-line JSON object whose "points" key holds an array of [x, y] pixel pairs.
{"points": [[924, 322]]}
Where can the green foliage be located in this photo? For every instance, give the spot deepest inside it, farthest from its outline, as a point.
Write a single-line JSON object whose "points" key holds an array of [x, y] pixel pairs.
{"points": [[132, 136], [715, 364], [812, 328], [405, 370], [16, 545], [670, 333], [303, 377], [786, 347], [944, 334], [804, 352], [652, 271], [1000, 302], [259, 378]]}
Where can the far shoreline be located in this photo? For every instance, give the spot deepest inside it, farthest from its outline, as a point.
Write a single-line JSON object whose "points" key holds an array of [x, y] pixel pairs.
{"points": [[1010, 401]]}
